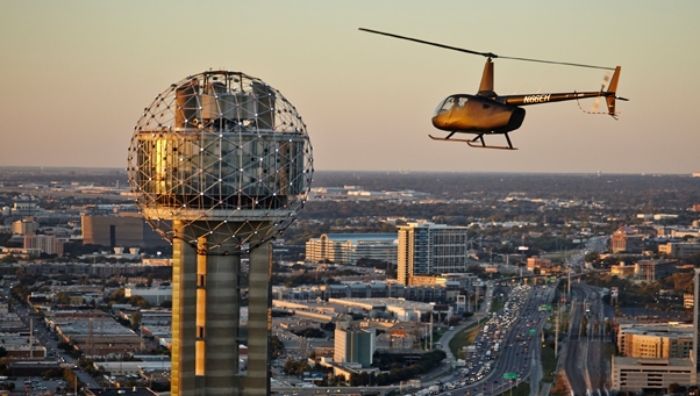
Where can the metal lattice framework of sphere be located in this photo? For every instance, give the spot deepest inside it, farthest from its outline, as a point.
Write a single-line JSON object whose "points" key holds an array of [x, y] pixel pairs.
{"points": [[226, 154]]}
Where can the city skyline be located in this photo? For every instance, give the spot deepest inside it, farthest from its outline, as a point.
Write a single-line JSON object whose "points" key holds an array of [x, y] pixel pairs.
{"points": [[78, 70]]}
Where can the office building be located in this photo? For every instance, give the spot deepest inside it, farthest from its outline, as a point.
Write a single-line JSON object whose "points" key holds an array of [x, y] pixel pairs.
{"points": [[354, 345], [681, 250], [626, 240], [655, 341], [25, 226], [653, 270], [640, 375], [124, 229], [426, 250], [350, 247], [46, 244]]}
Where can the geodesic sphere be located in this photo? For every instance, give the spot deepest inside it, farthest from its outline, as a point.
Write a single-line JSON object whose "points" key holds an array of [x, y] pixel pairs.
{"points": [[223, 154]]}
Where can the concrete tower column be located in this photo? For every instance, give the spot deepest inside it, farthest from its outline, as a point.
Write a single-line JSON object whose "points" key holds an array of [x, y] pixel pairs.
{"points": [[182, 377], [222, 323], [257, 381]]}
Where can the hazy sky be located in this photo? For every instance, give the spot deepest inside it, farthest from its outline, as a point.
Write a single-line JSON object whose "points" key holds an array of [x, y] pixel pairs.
{"points": [[76, 75]]}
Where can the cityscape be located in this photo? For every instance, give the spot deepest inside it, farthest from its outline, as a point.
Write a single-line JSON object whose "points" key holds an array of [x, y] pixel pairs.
{"points": [[308, 198], [502, 283]]}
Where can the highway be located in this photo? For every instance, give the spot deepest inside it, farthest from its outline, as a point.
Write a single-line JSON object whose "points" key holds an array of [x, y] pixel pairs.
{"points": [[582, 357], [517, 356], [587, 369]]}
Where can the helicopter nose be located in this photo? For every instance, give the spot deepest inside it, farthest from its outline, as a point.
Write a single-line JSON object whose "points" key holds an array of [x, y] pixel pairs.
{"points": [[440, 121]]}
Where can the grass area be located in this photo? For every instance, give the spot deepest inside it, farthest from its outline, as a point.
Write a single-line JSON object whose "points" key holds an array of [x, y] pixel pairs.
{"points": [[497, 303], [464, 338], [521, 390], [549, 364]]}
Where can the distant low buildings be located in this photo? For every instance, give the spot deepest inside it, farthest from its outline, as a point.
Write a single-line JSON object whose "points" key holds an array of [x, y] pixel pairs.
{"points": [[94, 333], [20, 346], [542, 266], [681, 250], [155, 295], [621, 270]]}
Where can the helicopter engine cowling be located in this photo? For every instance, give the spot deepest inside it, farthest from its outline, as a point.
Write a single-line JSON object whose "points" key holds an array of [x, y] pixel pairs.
{"points": [[470, 113]]}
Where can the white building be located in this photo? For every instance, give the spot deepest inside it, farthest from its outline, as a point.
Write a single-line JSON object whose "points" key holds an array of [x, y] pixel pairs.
{"points": [[349, 248], [154, 295], [636, 375]]}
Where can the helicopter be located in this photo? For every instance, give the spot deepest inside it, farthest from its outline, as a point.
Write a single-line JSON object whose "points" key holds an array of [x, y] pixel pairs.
{"points": [[488, 113]]}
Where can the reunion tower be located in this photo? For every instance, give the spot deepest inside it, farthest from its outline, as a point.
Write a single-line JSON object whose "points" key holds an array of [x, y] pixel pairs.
{"points": [[221, 163]]}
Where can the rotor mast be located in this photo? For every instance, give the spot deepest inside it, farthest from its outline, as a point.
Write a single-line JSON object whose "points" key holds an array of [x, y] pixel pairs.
{"points": [[486, 85]]}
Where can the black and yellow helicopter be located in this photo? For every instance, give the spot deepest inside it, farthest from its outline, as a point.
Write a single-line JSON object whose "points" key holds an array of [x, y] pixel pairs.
{"points": [[487, 113]]}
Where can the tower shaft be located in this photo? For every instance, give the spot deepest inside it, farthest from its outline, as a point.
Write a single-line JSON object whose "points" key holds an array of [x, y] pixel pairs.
{"points": [[206, 316], [257, 381]]}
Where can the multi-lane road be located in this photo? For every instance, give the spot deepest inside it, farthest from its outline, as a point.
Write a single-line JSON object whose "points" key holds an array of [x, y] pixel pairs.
{"points": [[587, 369], [513, 361]]}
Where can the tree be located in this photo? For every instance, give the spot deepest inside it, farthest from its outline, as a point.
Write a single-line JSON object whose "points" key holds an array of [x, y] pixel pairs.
{"points": [[62, 298], [296, 367], [277, 346]]}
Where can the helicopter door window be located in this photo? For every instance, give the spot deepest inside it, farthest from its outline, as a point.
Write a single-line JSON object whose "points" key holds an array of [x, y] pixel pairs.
{"points": [[461, 101]]}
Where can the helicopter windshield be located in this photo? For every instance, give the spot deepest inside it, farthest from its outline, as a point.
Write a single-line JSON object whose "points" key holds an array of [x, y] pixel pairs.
{"points": [[452, 102]]}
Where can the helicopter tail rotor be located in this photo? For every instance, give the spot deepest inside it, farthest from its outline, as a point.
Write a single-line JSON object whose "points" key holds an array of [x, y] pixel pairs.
{"points": [[610, 94]]}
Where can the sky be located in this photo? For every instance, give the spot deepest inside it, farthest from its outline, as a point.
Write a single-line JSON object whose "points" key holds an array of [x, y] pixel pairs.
{"points": [[76, 75]]}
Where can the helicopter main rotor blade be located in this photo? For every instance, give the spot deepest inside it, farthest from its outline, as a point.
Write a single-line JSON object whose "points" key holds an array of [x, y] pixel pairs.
{"points": [[557, 63], [484, 54]]}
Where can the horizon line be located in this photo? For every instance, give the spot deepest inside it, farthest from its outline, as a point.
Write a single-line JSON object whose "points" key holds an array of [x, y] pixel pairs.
{"points": [[404, 171]]}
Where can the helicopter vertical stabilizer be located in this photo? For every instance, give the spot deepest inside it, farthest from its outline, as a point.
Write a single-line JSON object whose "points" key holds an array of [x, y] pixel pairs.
{"points": [[612, 91], [486, 85]]}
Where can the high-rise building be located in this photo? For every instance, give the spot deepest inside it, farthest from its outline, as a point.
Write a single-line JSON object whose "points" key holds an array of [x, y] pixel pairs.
{"points": [[353, 345], [25, 226], [426, 250], [349, 248], [626, 240]]}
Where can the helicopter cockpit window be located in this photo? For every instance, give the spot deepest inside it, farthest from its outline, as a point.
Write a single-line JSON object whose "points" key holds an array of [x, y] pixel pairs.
{"points": [[450, 103]]}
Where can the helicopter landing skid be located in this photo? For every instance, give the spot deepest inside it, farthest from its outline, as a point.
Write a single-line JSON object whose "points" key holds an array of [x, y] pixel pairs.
{"points": [[480, 138], [448, 139], [472, 142]]}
